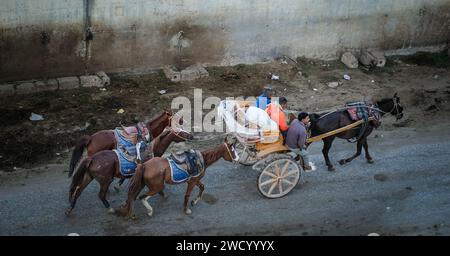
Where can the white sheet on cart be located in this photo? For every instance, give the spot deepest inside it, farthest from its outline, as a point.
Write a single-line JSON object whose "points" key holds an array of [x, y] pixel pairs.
{"points": [[261, 118]]}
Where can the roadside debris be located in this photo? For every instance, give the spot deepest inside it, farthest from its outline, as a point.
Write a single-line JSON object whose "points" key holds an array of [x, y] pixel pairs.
{"points": [[162, 92], [373, 234], [333, 84], [347, 77], [36, 117], [275, 77], [349, 60], [120, 111], [370, 58]]}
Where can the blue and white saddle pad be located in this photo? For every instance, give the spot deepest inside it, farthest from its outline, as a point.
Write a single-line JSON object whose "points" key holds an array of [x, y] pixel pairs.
{"points": [[127, 165], [177, 173], [121, 139]]}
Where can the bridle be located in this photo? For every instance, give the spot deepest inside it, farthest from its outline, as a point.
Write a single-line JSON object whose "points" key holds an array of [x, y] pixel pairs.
{"points": [[234, 159]]}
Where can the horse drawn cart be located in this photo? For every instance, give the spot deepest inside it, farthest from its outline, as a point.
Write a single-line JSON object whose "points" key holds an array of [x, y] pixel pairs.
{"points": [[261, 146]]}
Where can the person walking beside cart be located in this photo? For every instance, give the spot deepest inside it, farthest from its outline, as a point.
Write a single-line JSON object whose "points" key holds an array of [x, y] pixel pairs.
{"points": [[296, 138]]}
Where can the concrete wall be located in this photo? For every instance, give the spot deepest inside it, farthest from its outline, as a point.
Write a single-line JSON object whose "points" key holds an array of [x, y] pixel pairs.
{"points": [[45, 37]]}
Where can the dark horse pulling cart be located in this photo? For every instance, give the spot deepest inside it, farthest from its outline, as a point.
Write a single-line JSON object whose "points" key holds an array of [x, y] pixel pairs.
{"points": [[261, 145]]}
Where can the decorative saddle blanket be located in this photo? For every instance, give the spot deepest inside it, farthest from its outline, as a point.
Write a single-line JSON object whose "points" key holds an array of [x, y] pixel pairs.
{"points": [[127, 163], [362, 110], [185, 165]]}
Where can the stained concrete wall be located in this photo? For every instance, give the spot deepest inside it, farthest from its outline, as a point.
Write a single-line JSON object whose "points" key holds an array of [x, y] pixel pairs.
{"points": [[45, 37]]}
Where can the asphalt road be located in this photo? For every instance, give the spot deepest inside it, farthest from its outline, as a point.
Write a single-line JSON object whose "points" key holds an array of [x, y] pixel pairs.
{"points": [[405, 192]]}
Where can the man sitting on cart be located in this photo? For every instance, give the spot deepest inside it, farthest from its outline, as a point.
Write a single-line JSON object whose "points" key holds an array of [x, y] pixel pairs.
{"points": [[275, 111], [296, 138]]}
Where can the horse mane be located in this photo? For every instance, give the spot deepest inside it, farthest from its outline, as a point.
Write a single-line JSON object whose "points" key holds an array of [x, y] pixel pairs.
{"points": [[155, 118], [158, 139]]}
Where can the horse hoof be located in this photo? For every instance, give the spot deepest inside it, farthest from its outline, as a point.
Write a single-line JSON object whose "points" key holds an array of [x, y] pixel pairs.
{"points": [[111, 210], [192, 203], [370, 161], [331, 169], [150, 214], [188, 211], [342, 162], [68, 211]]}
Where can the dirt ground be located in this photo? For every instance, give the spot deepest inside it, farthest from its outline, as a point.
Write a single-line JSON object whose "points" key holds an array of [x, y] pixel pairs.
{"points": [[422, 82]]}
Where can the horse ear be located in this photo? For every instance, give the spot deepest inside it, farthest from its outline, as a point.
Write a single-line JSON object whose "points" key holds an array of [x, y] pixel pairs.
{"points": [[395, 95], [226, 141]]}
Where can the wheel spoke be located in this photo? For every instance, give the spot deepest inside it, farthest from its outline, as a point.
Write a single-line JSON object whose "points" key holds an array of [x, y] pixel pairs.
{"points": [[272, 187], [285, 167], [267, 182], [288, 182], [289, 174], [277, 169], [280, 186], [270, 174]]}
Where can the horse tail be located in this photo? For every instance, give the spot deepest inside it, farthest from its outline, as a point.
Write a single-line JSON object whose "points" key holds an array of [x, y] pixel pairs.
{"points": [[136, 183], [79, 175], [78, 152]]}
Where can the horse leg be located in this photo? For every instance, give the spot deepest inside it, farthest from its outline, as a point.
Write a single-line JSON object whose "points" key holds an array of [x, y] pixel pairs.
{"points": [[199, 196], [366, 149], [86, 180], [190, 186], [327, 142], [164, 195], [104, 185], [119, 184], [144, 199], [358, 152]]}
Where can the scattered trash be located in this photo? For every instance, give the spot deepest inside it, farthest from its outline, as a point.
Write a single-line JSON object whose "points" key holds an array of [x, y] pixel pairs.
{"points": [[300, 73], [333, 84], [435, 76], [275, 77], [347, 77], [102, 89], [284, 62], [73, 234], [373, 234], [58, 154], [284, 89], [162, 92], [315, 89], [120, 111], [373, 81], [36, 117]]}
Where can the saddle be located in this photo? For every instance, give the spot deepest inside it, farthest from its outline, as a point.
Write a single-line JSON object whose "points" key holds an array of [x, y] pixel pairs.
{"points": [[191, 161], [135, 133], [357, 111]]}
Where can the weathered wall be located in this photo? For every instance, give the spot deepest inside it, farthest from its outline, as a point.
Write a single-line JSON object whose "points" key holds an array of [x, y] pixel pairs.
{"points": [[45, 37]]}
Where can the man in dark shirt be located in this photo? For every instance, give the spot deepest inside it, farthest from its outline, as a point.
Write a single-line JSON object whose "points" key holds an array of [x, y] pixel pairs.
{"points": [[296, 138]]}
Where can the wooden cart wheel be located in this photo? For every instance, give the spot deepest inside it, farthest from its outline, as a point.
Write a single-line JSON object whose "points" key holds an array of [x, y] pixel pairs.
{"points": [[278, 178], [244, 157]]}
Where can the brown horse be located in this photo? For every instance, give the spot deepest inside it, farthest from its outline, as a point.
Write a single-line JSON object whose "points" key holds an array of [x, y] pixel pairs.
{"points": [[157, 171], [106, 140], [104, 167], [323, 123]]}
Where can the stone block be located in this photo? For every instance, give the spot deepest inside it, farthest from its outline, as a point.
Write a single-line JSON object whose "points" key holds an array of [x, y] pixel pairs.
{"points": [[203, 72], [190, 73], [91, 81], [25, 88], [7, 89], [349, 60], [172, 73], [67, 83], [104, 77], [372, 58]]}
